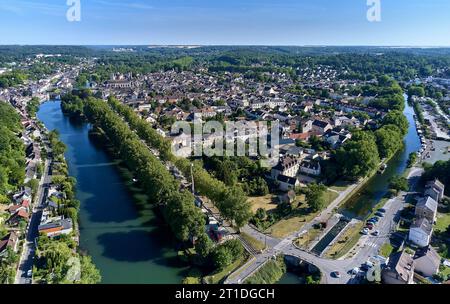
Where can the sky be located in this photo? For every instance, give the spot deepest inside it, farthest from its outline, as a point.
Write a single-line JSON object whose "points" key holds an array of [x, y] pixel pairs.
{"points": [[226, 22]]}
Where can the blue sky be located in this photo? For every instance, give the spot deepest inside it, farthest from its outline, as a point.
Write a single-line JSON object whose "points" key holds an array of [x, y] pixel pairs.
{"points": [[226, 22]]}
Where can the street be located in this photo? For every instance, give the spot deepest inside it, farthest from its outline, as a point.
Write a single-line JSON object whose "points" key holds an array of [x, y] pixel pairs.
{"points": [[29, 249]]}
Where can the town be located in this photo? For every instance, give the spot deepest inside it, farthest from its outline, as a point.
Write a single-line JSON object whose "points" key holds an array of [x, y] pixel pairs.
{"points": [[304, 219]]}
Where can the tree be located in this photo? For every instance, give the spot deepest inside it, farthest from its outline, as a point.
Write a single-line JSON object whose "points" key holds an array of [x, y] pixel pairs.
{"points": [[204, 246], [226, 253], [389, 140], [222, 257], [235, 207], [397, 118], [227, 172], [359, 156], [261, 214], [399, 183], [89, 273], [315, 196]]}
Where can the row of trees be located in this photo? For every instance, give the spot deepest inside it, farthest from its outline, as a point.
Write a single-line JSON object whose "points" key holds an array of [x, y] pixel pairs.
{"points": [[231, 201], [183, 217], [143, 129], [362, 154], [12, 152]]}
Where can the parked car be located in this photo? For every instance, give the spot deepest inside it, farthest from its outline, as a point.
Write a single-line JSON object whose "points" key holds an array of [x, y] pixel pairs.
{"points": [[376, 233], [336, 274], [379, 214], [365, 231], [354, 271]]}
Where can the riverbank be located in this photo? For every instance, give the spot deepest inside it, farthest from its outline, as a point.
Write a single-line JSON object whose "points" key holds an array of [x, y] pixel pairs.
{"points": [[123, 236]]}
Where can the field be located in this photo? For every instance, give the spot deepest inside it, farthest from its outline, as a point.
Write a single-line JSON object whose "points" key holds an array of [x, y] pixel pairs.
{"points": [[300, 217], [386, 249], [219, 276], [267, 202], [443, 221]]}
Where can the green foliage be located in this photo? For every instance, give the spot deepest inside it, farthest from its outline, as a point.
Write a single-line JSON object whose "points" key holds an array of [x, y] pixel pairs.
{"points": [[235, 207], [89, 273], [226, 253], [399, 183], [389, 140], [315, 196], [33, 106], [270, 273], [184, 218], [439, 170], [397, 119], [359, 156], [12, 79], [412, 159]]}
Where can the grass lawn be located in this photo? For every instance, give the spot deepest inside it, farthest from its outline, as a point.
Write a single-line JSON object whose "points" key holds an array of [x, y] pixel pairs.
{"points": [[443, 221], [386, 249], [288, 226], [347, 240], [340, 185], [300, 216], [256, 244], [446, 271], [219, 276], [267, 202], [307, 238], [330, 196]]}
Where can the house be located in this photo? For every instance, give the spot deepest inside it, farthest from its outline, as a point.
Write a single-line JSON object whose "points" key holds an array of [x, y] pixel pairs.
{"points": [[9, 241], [320, 127], [287, 183], [435, 189], [337, 139], [287, 198], [311, 167], [427, 261], [420, 232], [399, 269], [287, 166], [16, 218], [426, 208], [56, 227]]}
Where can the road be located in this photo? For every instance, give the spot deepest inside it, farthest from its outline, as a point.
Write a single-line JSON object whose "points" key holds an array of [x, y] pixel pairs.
{"points": [[367, 247], [29, 249]]}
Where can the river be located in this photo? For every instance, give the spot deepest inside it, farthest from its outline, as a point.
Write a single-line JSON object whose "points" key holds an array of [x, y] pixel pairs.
{"points": [[362, 203], [117, 229]]}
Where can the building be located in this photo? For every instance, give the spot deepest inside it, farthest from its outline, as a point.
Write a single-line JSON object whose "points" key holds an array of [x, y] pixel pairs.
{"points": [[311, 168], [426, 208], [435, 189], [288, 166], [320, 127], [56, 227], [16, 218], [420, 232], [9, 241], [287, 183], [399, 270], [427, 262]]}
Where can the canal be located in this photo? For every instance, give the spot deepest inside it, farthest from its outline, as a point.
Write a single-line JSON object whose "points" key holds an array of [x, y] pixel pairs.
{"points": [[117, 229], [362, 203]]}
